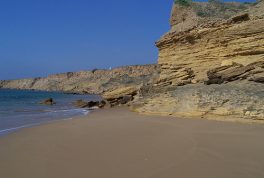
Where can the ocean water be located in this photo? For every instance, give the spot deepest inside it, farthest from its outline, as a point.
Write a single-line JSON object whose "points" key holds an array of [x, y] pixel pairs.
{"points": [[21, 108]]}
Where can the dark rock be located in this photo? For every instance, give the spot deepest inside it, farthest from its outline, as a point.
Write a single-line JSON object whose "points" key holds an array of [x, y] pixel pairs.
{"points": [[104, 104], [80, 104], [48, 101], [93, 104], [84, 104], [240, 18], [125, 99]]}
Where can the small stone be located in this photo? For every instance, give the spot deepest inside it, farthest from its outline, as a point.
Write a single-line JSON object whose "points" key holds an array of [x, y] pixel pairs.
{"points": [[48, 101]]}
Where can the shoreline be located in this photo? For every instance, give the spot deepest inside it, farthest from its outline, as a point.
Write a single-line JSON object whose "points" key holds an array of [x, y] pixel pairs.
{"points": [[6, 132], [9, 131], [20, 109], [117, 143]]}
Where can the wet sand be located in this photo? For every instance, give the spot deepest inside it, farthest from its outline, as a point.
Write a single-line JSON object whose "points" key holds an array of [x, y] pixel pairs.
{"points": [[116, 143]]}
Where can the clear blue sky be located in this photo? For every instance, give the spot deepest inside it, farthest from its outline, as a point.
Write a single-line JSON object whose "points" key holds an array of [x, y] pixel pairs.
{"points": [[40, 37]]}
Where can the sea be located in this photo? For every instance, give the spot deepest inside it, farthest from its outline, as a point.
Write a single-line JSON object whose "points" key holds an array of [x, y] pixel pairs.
{"points": [[20, 108]]}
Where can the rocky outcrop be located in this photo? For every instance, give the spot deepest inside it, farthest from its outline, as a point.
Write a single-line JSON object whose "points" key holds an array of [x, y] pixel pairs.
{"points": [[242, 101], [89, 82], [212, 68], [120, 96]]}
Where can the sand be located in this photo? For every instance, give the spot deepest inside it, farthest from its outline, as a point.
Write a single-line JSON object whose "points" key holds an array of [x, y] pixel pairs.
{"points": [[116, 143]]}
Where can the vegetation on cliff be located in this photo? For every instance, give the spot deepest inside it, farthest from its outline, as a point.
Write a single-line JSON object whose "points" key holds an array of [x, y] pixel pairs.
{"points": [[214, 8], [183, 2]]}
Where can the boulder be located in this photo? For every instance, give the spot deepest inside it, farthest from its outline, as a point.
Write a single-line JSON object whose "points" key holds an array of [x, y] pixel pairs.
{"points": [[48, 101]]}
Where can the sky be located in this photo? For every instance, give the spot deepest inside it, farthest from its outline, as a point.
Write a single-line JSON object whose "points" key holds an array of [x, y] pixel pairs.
{"points": [[41, 37]]}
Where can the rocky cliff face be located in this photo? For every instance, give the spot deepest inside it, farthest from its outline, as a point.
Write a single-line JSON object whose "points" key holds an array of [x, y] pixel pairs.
{"points": [[92, 82], [212, 52], [186, 57]]}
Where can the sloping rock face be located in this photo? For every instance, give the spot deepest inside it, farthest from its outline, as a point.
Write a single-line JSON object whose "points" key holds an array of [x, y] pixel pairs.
{"points": [[229, 52], [89, 82]]}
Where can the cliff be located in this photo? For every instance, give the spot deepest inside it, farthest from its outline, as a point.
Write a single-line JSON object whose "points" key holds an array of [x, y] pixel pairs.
{"points": [[92, 82], [187, 56], [210, 67]]}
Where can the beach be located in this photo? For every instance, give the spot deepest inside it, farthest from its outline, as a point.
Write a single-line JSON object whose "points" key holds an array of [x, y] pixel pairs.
{"points": [[117, 143]]}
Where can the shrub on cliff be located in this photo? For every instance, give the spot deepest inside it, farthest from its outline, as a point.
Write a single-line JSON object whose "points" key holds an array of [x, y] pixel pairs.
{"points": [[94, 70], [183, 2], [218, 9]]}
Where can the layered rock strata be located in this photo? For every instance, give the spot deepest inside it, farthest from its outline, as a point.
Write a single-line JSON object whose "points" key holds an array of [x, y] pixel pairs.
{"points": [[212, 69], [187, 57]]}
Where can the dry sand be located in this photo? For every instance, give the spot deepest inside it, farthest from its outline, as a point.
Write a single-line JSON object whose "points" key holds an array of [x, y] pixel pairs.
{"points": [[116, 143]]}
